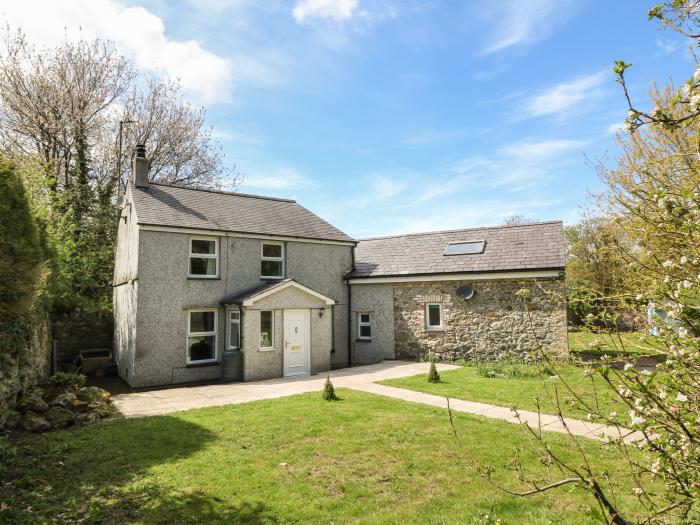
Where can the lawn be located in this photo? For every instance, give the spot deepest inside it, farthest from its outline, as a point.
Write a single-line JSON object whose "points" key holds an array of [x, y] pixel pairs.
{"points": [[633, 344], [364, 459], [520, 389]]}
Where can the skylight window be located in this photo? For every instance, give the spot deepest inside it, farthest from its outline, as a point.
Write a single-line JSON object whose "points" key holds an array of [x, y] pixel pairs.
{"points": [[465, 248]]}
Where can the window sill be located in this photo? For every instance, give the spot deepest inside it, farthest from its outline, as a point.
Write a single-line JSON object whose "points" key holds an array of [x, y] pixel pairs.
{"points": [[202, 365], [202, 278], [435, 329], [272, 349], [263, 278], [363, 340]]}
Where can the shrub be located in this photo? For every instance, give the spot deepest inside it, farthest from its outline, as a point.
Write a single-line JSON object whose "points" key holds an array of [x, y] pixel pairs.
{"points": [[64, 381], [21, 247], [433, 376], [329, 391], [504, 369]]}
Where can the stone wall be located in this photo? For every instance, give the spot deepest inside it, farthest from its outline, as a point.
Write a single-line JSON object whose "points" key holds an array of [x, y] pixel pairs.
{"points": [[25, 357], [491, 325], [79, 332]]}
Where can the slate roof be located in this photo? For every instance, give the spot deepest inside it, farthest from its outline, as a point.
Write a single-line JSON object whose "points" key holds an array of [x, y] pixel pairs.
{"points": [[534, 246], [180, 206], [239, 297]]}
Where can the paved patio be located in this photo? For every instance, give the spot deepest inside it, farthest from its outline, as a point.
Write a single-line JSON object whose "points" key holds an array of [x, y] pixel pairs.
{"points": [[362, 378]]}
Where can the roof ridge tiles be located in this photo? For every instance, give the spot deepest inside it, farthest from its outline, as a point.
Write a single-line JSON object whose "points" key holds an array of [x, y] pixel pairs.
{"points": [[212, 190], [475, 229]]}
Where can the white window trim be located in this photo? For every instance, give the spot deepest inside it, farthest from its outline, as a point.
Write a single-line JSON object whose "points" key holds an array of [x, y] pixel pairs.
{"points": [[228, 330], [214, 256], [428, 326], [276, 259], [272, 329], [360, 337], [215, 333]]}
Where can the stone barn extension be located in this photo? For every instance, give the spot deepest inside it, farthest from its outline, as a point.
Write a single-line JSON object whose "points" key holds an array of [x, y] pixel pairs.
{"points": [[453, 294]]}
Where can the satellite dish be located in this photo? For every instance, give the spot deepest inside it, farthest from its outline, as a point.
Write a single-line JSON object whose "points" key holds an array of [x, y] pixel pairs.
{"points": [[466, 291]]}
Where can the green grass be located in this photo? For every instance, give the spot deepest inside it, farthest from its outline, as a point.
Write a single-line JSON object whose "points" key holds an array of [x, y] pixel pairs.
{"points": [[631, 344], [363, 459], [518, 386]]}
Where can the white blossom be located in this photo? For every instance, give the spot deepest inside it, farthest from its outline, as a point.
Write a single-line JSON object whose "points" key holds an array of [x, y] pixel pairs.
{"points": [[695, 101], [635, 418], [681, 397]]}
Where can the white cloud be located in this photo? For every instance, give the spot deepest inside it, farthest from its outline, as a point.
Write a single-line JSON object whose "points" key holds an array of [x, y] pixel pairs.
{"points": [[283, 179], [334, 9], [666, 45], [614, 128], [567, 96], [516, 166], [136, 32], [385, 188], [523, 22], [487, 213]]}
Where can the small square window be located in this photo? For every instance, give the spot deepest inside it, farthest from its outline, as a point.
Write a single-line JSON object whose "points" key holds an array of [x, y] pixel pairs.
{"points": [[272, 260], [433, 316], [203, 257]]}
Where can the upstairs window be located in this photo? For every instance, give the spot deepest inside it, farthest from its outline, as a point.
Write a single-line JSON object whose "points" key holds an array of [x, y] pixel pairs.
{"points": [[204, 256], [364, 326], [272, 260], [433, 316], [465, 248], [201, 336]]}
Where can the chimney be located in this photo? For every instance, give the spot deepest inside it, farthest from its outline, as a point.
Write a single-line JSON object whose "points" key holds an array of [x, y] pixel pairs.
{"points": [[140, 166]]}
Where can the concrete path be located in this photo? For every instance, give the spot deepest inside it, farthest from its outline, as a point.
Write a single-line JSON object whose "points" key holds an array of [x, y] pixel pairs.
{"points": [[362, 378]]}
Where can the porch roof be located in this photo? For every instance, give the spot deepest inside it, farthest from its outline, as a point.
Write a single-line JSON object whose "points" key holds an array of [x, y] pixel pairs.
{"points": [[250, 296]]}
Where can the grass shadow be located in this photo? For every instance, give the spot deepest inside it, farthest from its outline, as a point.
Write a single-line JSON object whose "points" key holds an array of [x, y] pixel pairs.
{"points": [[91, 475]]}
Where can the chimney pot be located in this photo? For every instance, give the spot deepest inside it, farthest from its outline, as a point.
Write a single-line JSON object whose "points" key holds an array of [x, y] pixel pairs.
{"points": [[140, 167]]}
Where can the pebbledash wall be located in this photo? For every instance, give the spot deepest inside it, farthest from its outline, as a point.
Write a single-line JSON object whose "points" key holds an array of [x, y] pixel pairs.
{"points": [[494, 324]]}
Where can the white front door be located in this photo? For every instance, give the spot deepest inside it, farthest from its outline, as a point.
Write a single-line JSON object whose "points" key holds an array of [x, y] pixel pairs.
{"points": [[296, 343]]}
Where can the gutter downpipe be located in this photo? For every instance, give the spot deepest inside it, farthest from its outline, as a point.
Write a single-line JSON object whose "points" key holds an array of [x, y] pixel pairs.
{"points": [[347, 281]]}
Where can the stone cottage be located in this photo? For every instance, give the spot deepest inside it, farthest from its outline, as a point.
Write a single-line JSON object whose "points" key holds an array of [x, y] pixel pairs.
{"points": [[211, 284]]}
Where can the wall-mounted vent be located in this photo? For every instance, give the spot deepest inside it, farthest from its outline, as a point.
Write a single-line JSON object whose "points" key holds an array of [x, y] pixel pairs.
{"points": [[466, 291], [465, 248]]}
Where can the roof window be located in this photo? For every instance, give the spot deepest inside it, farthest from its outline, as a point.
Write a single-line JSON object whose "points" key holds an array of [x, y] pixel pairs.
{"points": [[465, 248]]}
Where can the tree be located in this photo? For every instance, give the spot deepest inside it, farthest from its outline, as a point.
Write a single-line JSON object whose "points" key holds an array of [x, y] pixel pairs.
{"points": [[653, 197], [684, 103], [63, 106], [513, 220], [598, 277], [22, 250]]}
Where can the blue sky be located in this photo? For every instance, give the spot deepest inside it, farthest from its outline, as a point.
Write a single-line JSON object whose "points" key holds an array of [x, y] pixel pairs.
{"points": [[391, 117]]}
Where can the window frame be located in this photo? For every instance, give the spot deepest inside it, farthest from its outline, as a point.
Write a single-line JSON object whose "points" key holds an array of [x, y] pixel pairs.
{"points": [[215, 333], [361, 323], [262, 348], [192, 255], [428, 326], [228, 329], [280, 259], [477, 241]]}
